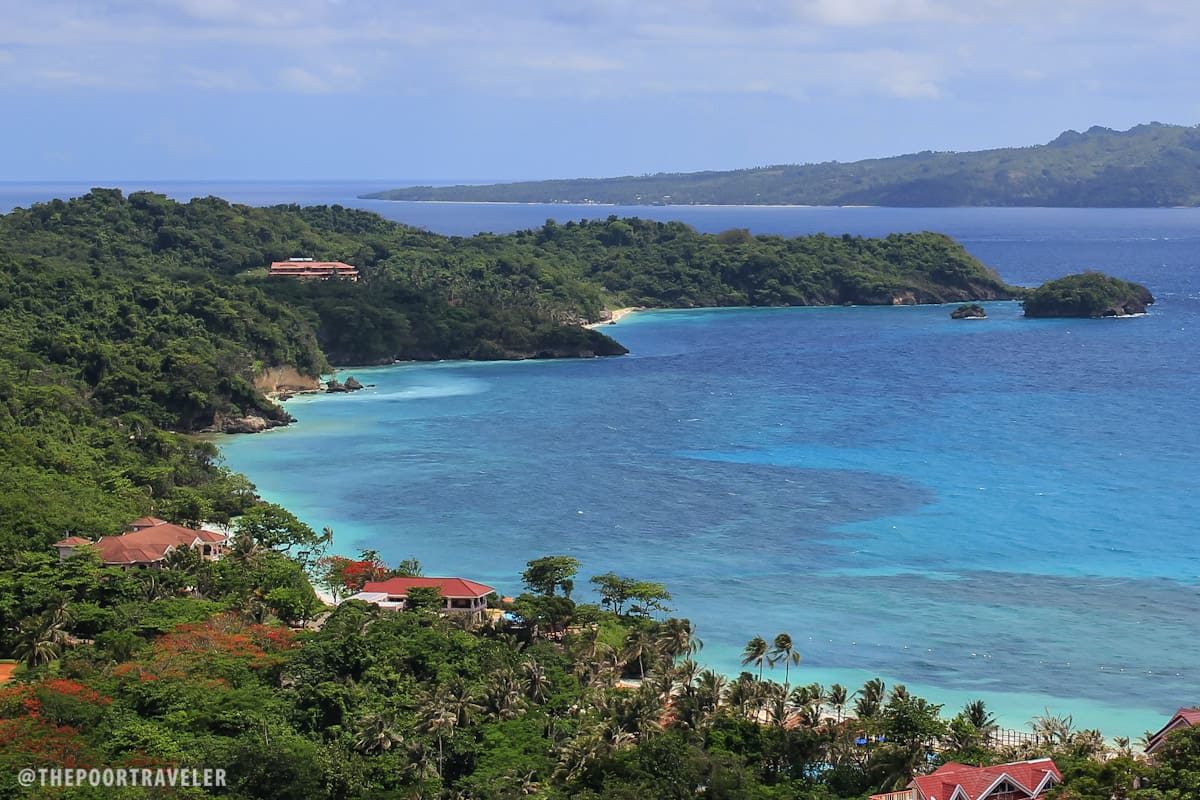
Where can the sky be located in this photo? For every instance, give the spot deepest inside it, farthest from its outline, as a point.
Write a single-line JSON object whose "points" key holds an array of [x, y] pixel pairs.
{"points": [[528, 89]]}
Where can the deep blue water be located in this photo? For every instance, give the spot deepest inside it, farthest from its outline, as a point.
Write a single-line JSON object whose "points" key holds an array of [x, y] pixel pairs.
{"points": [[1002, 509]]}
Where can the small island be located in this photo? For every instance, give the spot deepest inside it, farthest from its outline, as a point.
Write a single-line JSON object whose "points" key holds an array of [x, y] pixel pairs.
{"points": [[969, 311], [1088, 295]]}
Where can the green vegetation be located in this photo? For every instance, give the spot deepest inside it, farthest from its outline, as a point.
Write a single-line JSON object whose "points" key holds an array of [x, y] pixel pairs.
{"points": [[1089, 294], [1146, 166], [968, 311], [130, 321], [191, 666]]}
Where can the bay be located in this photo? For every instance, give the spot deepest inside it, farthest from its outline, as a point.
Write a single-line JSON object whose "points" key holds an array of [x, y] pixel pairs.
{"points": [[1002, 509]]}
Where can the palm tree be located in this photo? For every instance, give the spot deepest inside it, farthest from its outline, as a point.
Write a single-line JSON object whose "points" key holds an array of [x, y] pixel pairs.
{"points": [[537, 684], [783, 650], [377, 733], [976, 713], [460, 700], [742, 694], [838, 697], [755, 653], [870, 699], [676, 637], [637, 644], [810, 715], [40, 639], [439, 720], [710, 687], [504, 698]]}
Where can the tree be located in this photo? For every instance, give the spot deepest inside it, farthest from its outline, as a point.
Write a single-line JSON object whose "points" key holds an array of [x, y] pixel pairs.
{"points": [[424, 599], [615, 591], [273, 527], [838, 697], [408, 568], [637, 644], [783, 650], [870, 699], [545, 575], [756, 652]]}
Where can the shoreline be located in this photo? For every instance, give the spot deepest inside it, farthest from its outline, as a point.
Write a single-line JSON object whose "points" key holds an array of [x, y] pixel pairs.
{"points": [[617, 315]]}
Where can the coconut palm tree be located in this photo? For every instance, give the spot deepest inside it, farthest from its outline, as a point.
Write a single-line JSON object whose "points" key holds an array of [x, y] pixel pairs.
{"points": [[755, 653], [40, 639], [440, 721], [377, 733], [677, 637], [982, 720], [870, 699], [637, 645], [838, 697], [710, 688], [783, 650], [537, 683], [809, 715], [742, 694], [504, 698], [461, 700]]}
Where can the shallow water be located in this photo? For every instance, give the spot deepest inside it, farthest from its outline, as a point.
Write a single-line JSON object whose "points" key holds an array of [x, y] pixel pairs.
{"points": [[1002, 509]]}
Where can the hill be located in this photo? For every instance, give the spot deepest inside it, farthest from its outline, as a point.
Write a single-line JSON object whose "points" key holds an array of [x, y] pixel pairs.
{"points": [[1152, 165]]}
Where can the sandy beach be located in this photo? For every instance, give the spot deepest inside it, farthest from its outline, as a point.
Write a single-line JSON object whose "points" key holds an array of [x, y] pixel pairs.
{"points": [[617, 315]]}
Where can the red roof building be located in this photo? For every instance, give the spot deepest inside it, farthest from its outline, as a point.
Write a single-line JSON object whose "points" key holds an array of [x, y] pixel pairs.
{"points": [[459, 595], [1022, 780], [147, 544], [1184, 718], [308, 269]]}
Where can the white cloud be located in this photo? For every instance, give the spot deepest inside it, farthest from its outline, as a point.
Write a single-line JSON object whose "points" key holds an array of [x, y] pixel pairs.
{"points": [[328, 79], [896, 48]]}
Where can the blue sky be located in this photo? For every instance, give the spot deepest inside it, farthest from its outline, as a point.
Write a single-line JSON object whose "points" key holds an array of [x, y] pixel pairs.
{"points": [[330, 89]]}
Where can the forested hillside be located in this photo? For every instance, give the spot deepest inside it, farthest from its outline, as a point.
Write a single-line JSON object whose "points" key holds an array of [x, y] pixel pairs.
{"points": [[1147, 166], [126, 318]]}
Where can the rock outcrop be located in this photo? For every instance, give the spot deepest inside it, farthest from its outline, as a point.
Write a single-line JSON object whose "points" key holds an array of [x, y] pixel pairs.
{"points": [[248, 424], [969, 311]]}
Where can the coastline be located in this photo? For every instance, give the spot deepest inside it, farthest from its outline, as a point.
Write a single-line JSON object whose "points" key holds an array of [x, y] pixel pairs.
{"points": [[617, 315]]}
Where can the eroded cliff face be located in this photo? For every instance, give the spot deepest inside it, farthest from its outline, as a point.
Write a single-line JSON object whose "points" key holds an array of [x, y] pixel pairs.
{"points": [[285, 380]]}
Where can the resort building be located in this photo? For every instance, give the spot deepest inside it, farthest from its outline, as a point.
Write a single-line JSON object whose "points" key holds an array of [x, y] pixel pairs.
{"points": [[308, 269], [459, 595], [1022, 780], [147, 543], [1184, 718]]}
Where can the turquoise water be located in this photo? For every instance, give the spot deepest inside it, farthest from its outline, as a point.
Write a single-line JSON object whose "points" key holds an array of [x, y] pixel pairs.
{"points": [[1002, 509]]}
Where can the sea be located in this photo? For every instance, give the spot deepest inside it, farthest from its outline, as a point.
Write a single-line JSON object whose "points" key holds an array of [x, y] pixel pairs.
{"points": [[1002, 509]]}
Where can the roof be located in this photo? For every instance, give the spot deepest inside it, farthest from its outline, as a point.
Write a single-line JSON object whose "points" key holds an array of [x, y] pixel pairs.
{"points": [[953, 781], [73, 541], [150, 541], [369, 597], [449, 587], [310, 267], [1183, 718]]}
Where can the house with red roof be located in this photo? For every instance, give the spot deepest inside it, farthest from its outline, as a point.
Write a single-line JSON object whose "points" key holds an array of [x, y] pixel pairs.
{"points": [[308, 269], [1184, 718], [459, 595], [147, 543], [1021, 780]]}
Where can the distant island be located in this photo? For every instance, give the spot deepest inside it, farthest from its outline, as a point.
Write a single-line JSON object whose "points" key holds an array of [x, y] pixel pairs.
{"points": [[1089, 294], [1152, 165]]}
